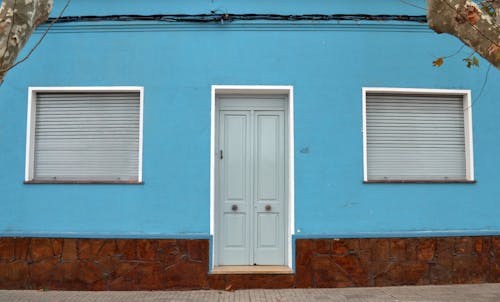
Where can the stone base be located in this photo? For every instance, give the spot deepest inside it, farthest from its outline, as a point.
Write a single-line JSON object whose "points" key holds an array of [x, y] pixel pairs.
{"points": [[397, 261], [156, 264]]}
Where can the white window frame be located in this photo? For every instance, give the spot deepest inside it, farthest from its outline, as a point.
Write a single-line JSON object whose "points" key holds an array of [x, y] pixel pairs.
{"points": [[30, 128], [466, 94]]}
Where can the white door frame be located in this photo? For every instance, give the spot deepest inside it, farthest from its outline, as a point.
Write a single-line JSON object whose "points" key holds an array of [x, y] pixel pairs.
{"points": [[253, 90]]}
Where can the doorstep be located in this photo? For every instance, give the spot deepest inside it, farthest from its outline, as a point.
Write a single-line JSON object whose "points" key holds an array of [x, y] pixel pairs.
{"points": [[251, 269]]}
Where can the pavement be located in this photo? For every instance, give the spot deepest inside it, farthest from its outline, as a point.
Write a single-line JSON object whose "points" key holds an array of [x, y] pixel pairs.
{"points": [[436, 293]]}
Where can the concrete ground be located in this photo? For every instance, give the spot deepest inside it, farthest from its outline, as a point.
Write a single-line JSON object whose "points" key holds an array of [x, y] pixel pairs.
{"points": [[442, 293]]}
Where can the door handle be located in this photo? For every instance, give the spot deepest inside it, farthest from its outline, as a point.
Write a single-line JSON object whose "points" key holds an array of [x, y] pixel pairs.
{"points": [[234, 207], [221, 155], [268, 207]]}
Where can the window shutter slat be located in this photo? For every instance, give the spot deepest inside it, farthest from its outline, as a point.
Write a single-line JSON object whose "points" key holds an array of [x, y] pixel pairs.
{"points": [[87, 136], [415, 137]]}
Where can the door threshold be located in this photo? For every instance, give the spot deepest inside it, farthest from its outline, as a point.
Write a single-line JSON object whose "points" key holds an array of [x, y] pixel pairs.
{"points": [[251, 269]]}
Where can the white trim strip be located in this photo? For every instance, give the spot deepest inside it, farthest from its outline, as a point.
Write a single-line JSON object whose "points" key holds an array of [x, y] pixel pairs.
{"points": [[468, 136], [363, 129], [141, 131], [31, 115], [30, 122], [469, 160], [265, 90]]}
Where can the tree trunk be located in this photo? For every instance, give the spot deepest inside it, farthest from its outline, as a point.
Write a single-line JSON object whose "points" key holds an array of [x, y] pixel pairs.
{"points": [[466, 21], [18, 20]]}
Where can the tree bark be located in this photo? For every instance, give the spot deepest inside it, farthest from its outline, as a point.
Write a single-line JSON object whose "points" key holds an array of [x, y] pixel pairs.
{"points": [[18, 20], [466, 21]]}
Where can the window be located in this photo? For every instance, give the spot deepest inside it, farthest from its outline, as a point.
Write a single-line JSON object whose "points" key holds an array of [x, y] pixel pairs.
{"points": [[80, 135], [417, 135]]}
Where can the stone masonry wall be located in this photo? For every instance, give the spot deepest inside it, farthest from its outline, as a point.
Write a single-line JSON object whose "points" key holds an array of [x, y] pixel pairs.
{"points": [[102, 264], [156, 264], [397, 261]]}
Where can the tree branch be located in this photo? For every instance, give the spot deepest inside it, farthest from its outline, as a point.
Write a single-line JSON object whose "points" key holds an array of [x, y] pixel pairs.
{"points": [[466, 21], [18, 20]]}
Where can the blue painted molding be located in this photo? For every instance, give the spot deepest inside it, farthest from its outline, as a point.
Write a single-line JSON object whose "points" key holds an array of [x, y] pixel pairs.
{"points": [[444, 233], [154, 26], [399, 234], [107, 235], [211, 252]]}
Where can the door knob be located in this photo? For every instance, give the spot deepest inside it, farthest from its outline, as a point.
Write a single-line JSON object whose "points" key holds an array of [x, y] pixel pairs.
{"points": [[268, 207], [234, 207]]}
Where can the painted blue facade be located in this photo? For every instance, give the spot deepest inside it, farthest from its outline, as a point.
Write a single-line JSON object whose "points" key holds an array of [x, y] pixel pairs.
{"points": [[326, 62]]}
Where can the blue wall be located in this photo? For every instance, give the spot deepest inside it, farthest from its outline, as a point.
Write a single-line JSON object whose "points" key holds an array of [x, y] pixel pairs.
{"points": [[327, 64]]}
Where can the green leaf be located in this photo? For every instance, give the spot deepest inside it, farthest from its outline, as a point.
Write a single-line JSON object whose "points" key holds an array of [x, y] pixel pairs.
{"points": [[470, 62], [475, 61]]}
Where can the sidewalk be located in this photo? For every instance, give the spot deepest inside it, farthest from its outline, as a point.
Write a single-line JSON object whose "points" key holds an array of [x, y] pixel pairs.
{"points": [[443, 293]]}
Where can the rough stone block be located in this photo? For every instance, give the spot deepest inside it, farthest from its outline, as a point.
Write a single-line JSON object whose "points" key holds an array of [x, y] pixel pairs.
{"points": [[7, 247], [21, 249], [14, 275], [42, 273], [304, 245], [166, 245], [495, 272], [380, 250], [463, 245], [415, 273], [186, 275], [445, 251], [303, 252], [303, 276], [411, 249], [398, 249], [323, 246], [352, 245], [321, 262], [126, 249], [89, 272], [482, 245], [198, 250], [123, 276], [439, 274], [466, 269], [89, 248], [426, 249], [64, 272], [339, 247], [353, 268], [234, 282], [495, 242], [70, 250], [331, 276], [217, 282], [40, 249], [150, 276], [147, 249], [57, 246]]}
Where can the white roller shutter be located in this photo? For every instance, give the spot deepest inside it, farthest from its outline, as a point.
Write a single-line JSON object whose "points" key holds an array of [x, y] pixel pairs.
{"points": [[87, 136], [415, 137]]}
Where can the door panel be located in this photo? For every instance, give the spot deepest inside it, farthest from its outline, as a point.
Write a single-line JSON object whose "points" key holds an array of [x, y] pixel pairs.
{"points": [[250, 228], [269, 180], [234, 230], [265, 222], [236, 149], [235, 187], [267, 157]]}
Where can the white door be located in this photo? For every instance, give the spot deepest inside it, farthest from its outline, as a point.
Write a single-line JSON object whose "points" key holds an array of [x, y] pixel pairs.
{"points": [[251, 197]]}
